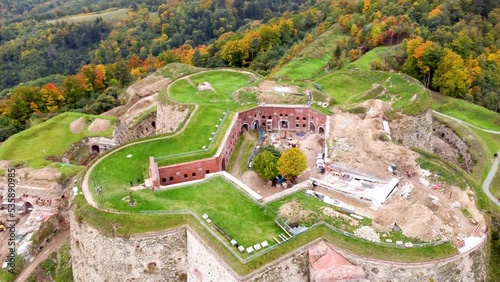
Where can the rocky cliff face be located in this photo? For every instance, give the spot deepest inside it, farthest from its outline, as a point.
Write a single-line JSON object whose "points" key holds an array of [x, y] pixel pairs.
{"points": [[447, 134], [413, 130]]}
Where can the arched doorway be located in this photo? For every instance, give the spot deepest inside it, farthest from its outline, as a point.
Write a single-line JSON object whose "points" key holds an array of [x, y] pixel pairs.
{"points": [[312, 127], [321, 130], [255, 125], [27, 207], [284, 124], [95, 149], [153, 124], [244, 127]]}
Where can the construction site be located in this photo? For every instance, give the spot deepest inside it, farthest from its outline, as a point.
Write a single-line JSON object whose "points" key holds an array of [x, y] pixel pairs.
{"points": [[376, 178]]}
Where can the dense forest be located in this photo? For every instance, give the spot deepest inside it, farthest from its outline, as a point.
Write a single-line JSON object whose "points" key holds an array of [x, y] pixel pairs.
{"points": [[452, 46]]}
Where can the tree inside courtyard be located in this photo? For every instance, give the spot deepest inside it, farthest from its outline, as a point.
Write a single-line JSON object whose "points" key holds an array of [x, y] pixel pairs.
{"points": [[292, 163], [265, 164]]}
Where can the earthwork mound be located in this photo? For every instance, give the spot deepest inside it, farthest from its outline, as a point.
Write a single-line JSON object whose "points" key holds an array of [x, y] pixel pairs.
{"points": [[77, 125], [99, 125]]}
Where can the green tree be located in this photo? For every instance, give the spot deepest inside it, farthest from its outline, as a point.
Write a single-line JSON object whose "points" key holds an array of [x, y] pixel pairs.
{"points": [[292, 163], [265, 165]]}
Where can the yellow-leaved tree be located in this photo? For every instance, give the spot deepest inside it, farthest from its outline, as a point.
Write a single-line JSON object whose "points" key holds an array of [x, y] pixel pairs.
{"points": [[292, 163]]}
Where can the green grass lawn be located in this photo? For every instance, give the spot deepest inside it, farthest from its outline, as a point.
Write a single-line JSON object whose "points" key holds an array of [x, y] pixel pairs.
{"points": [[378, 53], [50, 138], [117, 169], [110, 15], [347, 87], [239, 216], [313, 58], [471, 113]]}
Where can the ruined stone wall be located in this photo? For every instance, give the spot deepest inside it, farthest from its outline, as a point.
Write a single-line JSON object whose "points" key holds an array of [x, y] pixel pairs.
{"points": [[169, 117], [96, 257], [203, 264], [469, 267], [293, 268], [449, 136], [180, 255], [413, 130], [124, 133]]}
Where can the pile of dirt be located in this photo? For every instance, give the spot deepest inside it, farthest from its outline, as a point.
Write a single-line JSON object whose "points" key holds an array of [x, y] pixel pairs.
{"points": [[99, 125], [77, 125], [295, 214], [357, 143], [139, 107]]}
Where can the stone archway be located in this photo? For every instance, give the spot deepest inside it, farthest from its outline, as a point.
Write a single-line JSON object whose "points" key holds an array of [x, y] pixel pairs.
{"points": [[27, 207], [312, 127], [95, 149], [244, 127], [321, 130]]}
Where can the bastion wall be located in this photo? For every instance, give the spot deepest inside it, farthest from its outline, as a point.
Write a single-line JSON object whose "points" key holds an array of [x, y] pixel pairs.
{"points": [[180, 255]]}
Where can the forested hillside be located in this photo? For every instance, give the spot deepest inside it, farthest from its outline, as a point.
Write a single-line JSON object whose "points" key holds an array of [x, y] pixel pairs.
{"points": [[452, 46]]}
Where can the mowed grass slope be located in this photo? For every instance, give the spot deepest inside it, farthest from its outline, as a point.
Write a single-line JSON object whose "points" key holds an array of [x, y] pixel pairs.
{"points": [[377, 54], [50, 138], [348, 87], [117, 169], [313, 58], [227, 207], [471, 113], [110, 15]]}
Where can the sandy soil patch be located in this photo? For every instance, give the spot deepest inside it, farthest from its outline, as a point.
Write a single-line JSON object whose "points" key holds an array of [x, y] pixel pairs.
{"points": [[99, 125], [139, 107], [77, 125]]}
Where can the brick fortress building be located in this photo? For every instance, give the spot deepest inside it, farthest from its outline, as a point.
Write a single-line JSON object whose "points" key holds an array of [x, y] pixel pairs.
{"points": [[264, 117]]}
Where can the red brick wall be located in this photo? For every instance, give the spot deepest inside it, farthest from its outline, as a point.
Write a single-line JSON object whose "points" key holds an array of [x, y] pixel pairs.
{"points": [[187, 171], [299, 118]]}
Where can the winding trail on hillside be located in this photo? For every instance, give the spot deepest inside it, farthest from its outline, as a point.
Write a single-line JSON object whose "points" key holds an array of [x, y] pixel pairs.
{"points": [[489, 178], [53, 246], [494, 167], [465, 123]]}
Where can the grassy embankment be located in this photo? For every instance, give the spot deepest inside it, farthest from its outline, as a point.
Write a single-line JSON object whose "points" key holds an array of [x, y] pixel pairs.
{"points": [[53, 137]]}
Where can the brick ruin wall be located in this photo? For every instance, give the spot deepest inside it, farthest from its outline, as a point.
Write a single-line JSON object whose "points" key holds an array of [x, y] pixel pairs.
{"points": [[124, 133], [180, 255], [306, 119], [166, 119]]}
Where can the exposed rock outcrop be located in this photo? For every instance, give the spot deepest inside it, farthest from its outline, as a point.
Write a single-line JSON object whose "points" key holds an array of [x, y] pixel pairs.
{"points": [[447, 134], [413, 131]]}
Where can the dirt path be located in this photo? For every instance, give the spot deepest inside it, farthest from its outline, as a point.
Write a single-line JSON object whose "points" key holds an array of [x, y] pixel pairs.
{"points": [[466, 123], [236, 170], [489, 178], [53, 246]]}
